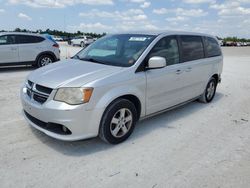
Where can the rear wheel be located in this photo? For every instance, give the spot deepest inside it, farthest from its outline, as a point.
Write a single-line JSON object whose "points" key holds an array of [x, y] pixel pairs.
{"points": [[44, 60], [118, 121], [83, 44], [209, 92]]}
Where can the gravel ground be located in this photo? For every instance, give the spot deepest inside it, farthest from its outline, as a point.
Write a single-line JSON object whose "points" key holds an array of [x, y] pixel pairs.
{"points": [[197, 145]]}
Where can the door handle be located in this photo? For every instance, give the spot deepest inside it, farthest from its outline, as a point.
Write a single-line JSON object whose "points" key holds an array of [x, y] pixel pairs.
{"points": [[178, 71], [188, 69], [13, 48]]}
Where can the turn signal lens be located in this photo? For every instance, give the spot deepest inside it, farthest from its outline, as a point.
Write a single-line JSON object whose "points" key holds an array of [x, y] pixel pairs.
{"points": [[87, 94]]}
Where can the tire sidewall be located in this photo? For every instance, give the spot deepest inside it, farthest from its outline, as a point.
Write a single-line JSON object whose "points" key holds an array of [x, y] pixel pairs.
{"points": [[105, 132], [215, 85]]}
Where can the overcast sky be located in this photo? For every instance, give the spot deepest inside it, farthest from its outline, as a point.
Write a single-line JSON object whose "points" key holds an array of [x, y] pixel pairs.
{"points": [[217, 17]]}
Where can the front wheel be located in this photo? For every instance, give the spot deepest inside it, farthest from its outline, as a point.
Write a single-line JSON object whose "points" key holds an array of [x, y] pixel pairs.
{"points": [[118, 121], [209, 92]]}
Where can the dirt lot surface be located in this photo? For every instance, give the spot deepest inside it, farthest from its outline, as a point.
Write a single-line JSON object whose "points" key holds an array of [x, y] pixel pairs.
{"points": [[197, 145]]}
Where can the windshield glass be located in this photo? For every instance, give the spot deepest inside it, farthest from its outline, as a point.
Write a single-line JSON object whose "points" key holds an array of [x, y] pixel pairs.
{"points": [[116, 50]]}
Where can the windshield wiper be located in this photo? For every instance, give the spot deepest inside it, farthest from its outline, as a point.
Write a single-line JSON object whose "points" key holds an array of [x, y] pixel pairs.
{"points": [[76, 57], [93, 60]]}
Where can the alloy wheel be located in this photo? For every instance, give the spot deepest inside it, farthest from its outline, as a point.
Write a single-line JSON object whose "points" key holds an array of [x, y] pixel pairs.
{"points": [[121, 122], [210, 90], [45, 61]]}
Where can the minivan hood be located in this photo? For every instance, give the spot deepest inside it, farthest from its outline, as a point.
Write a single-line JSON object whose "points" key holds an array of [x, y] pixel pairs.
{"points": [[70, 73]]}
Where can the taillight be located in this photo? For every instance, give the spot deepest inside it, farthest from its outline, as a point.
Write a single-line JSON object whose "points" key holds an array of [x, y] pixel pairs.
{"points": [[56, 45]]}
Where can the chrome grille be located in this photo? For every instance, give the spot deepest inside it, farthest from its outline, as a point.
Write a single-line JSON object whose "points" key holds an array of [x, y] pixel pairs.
{"points": [[38, 92]]}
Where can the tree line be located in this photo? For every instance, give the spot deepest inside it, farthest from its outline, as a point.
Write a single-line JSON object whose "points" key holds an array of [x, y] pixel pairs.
{"points": [[64, 34], [234, 39]]}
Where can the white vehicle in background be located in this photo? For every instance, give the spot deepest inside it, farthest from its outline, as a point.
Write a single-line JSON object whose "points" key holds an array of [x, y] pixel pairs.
{"points": [[57, 38], [27, 49], [82, 41], [221, 42]]}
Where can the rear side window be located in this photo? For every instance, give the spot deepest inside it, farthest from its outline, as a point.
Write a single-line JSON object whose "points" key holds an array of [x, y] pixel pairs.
{"points": [[26, 39], [7, 39], [192, 48], [167, 47], [212, 47]]}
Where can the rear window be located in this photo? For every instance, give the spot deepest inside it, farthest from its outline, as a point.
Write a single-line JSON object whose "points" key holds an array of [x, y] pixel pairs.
{"points": [[212, 47], [26, 39], [192, 48]]}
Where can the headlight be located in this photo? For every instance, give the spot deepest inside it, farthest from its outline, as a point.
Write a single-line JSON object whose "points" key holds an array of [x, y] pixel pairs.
{"points": [[73, 96]]}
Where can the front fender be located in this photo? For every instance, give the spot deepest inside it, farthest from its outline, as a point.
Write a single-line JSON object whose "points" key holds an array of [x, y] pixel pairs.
{"points": [[117, 92]]}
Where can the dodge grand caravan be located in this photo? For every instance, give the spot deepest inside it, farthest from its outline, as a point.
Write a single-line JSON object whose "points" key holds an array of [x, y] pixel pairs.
{"points": [[119, 79]]}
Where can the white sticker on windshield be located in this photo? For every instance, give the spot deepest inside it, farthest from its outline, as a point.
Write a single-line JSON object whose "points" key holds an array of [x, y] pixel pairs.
{"points": [[139, 39]]}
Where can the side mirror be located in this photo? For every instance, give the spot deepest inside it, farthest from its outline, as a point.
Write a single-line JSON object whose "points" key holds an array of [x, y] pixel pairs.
{"points": [[156, 62]]}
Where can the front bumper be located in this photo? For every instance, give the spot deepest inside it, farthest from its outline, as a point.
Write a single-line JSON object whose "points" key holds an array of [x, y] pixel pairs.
{"points": [[81, 123]]}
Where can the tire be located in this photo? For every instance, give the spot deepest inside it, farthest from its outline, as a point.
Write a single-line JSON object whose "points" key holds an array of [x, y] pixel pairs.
{"points": [[44, 60], [82, 44], [116, 127], [209, 92]]}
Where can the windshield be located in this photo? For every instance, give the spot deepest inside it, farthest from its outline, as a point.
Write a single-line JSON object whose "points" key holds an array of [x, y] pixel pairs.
{"points": [[116, 50]]}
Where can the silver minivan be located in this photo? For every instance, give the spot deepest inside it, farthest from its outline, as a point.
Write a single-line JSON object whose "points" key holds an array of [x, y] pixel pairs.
{"points": [[119, 79]]}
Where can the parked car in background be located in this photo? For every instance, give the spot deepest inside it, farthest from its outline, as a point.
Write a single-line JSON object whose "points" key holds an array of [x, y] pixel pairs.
{"points": [[68, 39], [221, 42], [27, 49], [230, 43], [57, 38], [108, 86], [82, 41]]}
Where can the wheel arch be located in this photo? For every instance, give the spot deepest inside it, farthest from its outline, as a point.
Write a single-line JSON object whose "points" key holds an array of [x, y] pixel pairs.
{"points": [[132, 94], [135, 100], [132, 98], [216, 77]]}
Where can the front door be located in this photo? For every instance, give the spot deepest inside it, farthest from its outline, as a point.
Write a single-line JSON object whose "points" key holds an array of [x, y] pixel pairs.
{"points": [[8, 49], [165, 86]]}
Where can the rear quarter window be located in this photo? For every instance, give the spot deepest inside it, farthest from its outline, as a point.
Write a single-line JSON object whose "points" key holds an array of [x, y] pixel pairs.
{"points": [[212, 47], [192, 48], [26, 39]]}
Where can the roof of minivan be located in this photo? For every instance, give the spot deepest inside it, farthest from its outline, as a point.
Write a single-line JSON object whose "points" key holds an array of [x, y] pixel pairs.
{"points": [[168, 32]]}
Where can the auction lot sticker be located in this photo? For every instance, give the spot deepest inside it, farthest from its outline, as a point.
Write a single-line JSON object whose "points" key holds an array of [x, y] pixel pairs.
{"points": [[137, 39]]}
